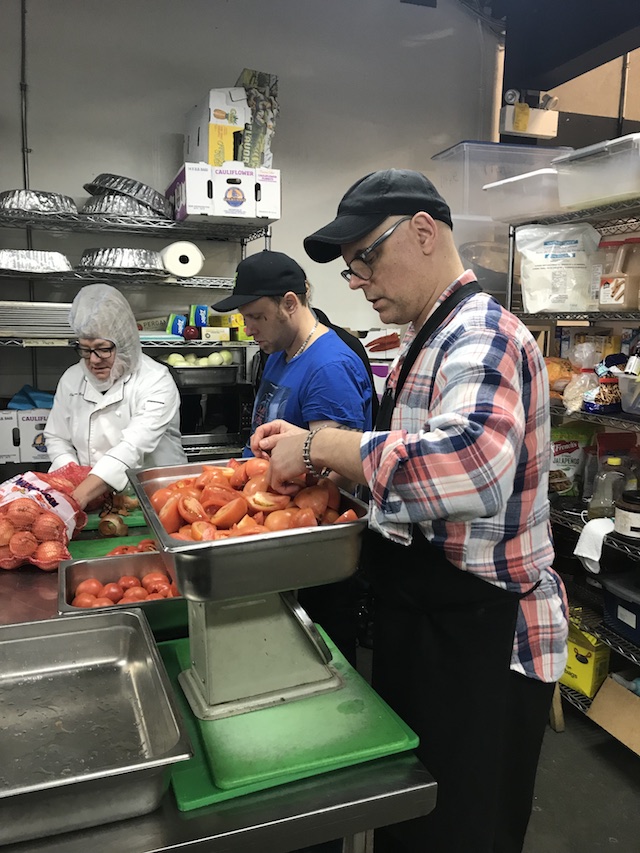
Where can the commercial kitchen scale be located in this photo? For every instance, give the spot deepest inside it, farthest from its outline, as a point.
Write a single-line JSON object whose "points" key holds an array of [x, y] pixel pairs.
{"points": [[267, 697]]}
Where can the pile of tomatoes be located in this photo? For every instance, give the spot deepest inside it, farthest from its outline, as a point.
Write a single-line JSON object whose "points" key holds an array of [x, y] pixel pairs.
{"points": [[30, 534], [236, 500], [142, 547], [126, 590]]}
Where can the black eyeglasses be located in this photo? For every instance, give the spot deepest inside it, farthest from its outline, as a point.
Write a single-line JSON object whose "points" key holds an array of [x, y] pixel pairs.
{"points": [[101, 352], [359, 266]]}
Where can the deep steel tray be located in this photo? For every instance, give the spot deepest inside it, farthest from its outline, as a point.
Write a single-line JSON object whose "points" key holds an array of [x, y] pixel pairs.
{"points": [[89, 723], [252, 565], [167, 618], [204, 377]]}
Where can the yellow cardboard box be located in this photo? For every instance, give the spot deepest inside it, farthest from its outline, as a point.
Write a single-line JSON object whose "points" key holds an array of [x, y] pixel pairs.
{"points": [[228, 320], [588, 661]]}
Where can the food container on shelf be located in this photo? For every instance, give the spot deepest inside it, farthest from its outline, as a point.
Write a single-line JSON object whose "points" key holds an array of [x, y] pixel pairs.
{"points": [[619, 287], [32, 261], [630, 394], [36, 201], [111, 203], [122, 261], [90, 725], [167, 618], [196, 376], [107, 182], [599, 174], [464, 169], [622, 606], [524, 197], [251, 565]]}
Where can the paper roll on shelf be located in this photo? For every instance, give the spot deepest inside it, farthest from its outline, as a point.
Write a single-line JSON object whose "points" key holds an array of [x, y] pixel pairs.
{"points": [[182, 259]]}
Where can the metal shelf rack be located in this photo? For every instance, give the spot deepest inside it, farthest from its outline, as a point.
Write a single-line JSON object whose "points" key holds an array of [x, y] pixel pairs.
{"points": [[62, 342], [236, 230], [621, 420], [75, 276], [578, 700], [572, 519]]}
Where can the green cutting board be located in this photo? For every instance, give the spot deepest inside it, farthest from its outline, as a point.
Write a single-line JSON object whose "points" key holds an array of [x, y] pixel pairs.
{"points": [[260, 749], [89, 549], [134, 519]]}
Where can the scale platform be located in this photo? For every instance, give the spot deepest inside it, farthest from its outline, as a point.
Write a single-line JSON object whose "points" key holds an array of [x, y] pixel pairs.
{"points": [[245, 753]]}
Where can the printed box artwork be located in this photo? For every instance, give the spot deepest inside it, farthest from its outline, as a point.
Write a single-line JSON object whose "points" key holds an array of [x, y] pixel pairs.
{"points": [[262, 100], [31, 423]]}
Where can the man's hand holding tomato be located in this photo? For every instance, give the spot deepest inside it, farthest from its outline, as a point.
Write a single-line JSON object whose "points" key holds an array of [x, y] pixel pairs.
{"points": [[283, 443]]}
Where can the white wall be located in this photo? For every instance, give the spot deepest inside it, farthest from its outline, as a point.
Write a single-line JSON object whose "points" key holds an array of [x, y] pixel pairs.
{"points": [[363, 85]]}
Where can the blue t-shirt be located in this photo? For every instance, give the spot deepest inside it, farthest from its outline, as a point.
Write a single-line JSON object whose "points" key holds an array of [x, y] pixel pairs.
{"points": [[326, 382]]}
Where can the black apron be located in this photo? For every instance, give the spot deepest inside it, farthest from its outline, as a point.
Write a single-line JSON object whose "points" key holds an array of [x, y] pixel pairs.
{"points": [[443, 640]]}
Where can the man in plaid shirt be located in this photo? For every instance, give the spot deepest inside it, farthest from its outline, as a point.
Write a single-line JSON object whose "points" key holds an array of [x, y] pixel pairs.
{"points": [[471, 620]]}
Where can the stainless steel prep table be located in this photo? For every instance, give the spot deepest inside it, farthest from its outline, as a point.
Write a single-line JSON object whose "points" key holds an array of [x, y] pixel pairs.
{"points": [[343, 803]]}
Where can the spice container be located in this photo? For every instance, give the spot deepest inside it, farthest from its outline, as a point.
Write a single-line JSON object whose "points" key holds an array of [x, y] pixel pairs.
{"points": [[627, 515]]}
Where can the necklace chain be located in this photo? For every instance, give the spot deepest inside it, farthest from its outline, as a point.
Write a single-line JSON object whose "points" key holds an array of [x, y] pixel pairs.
{"points": [[304, 345]]}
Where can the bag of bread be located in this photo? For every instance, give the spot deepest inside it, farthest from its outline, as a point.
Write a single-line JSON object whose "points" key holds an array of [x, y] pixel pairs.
{"points": [[560, 373]]}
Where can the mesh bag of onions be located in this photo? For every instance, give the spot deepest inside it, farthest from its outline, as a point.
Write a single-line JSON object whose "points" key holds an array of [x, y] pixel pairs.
{"points": [[38, 517]]}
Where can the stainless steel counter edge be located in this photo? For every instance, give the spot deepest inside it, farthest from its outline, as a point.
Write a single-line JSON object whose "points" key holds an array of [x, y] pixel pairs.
{"points": [[332, 805]]}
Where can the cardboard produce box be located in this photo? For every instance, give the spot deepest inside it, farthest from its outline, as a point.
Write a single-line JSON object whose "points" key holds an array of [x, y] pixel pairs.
{"points": [[31, 424], [617, 710], [9, 437], [191, 192], [215, 127], [588, 661]]}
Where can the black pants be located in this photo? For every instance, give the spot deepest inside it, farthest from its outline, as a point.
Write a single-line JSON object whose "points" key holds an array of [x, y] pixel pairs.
{"points": [[441, 659]]}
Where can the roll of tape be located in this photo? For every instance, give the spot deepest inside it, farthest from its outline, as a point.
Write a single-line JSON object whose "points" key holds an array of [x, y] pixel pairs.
{"points": [[182, 259]]}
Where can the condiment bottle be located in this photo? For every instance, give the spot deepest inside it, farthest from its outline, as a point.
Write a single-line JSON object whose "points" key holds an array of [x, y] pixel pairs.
{"points": [[608, 486]]}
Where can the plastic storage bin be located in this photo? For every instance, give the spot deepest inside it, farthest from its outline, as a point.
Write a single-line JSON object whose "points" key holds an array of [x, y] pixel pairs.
{"points": [[630, 394], [524, 197], [622, 606], [600, 174], [465, 168]]}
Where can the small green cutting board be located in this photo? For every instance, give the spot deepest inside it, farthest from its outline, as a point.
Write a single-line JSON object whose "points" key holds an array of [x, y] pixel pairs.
{"points": [[134, 519], [260, 749], [89, 549]]}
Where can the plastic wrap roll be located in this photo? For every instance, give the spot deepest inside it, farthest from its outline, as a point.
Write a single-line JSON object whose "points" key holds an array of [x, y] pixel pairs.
{"points": [[182, 259]]}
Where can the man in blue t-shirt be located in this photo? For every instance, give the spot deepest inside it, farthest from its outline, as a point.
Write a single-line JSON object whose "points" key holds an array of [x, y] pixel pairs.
{"points": [[311, 378]]}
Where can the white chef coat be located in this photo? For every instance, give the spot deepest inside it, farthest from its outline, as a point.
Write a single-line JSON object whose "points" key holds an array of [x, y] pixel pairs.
{"points": [[135, 424]]}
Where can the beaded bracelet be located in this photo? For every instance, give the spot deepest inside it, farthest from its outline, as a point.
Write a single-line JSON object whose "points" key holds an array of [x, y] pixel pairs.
{"points": [[306, 454]]}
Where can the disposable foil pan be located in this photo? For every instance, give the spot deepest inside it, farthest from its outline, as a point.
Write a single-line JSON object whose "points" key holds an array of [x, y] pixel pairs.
{"points": [[167, 617], [30, 261], [89, 723], [127, 186], [122, 261], [251, 565], [36, 201], [118, 204]]}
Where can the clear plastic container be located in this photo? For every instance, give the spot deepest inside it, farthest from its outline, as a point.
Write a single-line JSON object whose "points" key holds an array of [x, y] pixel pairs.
{"points": [[630, 394], [465, 168], [608, 486], [619, 289], [600, 174], [602, 264], [524, 196]]}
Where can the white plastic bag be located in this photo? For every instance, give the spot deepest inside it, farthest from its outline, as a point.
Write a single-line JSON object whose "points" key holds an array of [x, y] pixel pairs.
{"points": [[556, 267]]}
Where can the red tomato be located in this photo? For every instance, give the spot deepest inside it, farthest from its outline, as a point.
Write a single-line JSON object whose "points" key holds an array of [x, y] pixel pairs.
{"points": [[202, 530], [254, 467], [259, 483], [83, 600], [158, 499], [349, 515], [127, 581], [191, 509], [280, 519], [102, 602], [92, 585], [268, 502], [229, 515], [211, 475], [182, 484], [173, 591], [314, 497], [169, 516], [258, 517], [213, 497], [181, 536], [330, 515], [154, 578], [333, 501], [239, 476], [112, 591], [154, 596], [135, 593], [146, 545], [305, 518]]}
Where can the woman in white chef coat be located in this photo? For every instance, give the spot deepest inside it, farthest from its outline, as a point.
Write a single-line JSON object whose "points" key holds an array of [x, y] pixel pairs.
{"points": [[116, 408]]}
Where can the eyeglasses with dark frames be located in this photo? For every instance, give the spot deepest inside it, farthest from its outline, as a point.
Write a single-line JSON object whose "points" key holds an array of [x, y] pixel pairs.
{"points": [[101, 352], [359, 265]]}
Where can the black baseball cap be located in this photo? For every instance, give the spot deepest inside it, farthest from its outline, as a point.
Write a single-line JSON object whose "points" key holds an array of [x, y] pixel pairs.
{"points": [[369, 202], [264, 274]]}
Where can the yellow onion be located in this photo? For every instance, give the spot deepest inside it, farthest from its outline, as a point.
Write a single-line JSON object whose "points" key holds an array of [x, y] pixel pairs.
{"points": [[112, 525]]}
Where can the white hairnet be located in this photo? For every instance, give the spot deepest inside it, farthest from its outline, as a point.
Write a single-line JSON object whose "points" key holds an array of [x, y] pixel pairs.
{"points": [[101, 311]]}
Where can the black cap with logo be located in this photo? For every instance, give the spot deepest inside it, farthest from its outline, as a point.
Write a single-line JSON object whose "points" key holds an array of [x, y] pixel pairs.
{"points": [[263, 274]]}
